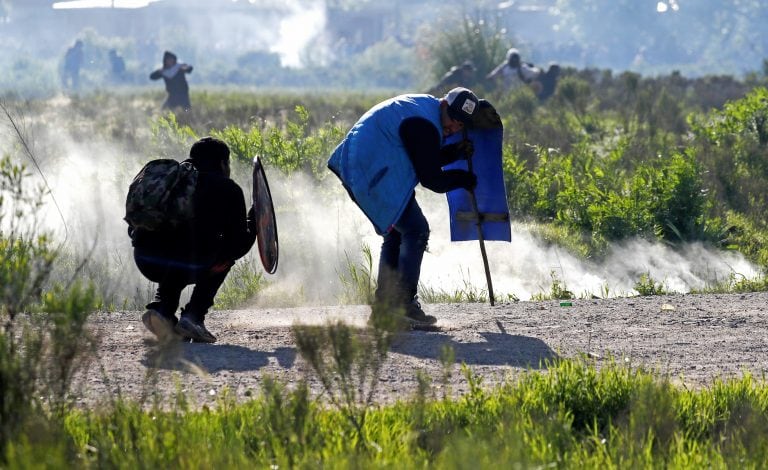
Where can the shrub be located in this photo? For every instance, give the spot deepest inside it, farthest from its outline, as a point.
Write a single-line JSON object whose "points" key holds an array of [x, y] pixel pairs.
{"points": [[646, 285], [732, 144], [42, 337], [477, 39]]}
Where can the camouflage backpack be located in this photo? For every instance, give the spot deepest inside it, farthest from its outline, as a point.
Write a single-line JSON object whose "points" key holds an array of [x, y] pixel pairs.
{"points": [[161, 195]]}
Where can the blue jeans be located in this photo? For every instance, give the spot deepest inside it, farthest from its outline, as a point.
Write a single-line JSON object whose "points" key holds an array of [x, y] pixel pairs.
{"points": [[401, 253]]}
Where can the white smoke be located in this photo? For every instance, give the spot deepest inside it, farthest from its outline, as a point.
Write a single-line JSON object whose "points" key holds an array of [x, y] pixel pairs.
{"points": [[88, 182], [527, 266], [318, 237], [304, 22], [320, 229], [317, 232]]}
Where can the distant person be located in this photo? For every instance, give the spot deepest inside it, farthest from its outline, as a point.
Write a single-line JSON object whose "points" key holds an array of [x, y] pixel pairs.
{"points": [[513, 71], [548, 82], [73, 60], [173, 73], [393, 147], [201, 251], [457, 76], [117, 66]]}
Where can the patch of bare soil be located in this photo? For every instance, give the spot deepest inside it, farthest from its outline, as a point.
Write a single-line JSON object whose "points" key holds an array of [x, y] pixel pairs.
{"points": [[692, 338]]}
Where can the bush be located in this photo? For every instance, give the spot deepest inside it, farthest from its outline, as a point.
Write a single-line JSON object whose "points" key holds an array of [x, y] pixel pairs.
{"points": [[733, 145], [477, 39], [42, 338], [663, 198]]}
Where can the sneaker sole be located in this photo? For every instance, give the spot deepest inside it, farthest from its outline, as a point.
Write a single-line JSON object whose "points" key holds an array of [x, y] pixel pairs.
{"points": [[414, 321], [424, 327], [196, 338], [158, 325]]}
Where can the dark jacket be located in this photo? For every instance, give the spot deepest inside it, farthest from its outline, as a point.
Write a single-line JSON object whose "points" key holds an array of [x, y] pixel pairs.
{"points": [[221, 230], [176, 86], [422, 142]]}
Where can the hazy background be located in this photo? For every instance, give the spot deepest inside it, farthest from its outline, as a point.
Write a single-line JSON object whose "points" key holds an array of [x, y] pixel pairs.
{"points": [[366, 44]]}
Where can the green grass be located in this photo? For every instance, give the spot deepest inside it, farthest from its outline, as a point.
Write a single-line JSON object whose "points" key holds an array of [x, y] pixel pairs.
{"points": [[604, 160], [244, 281], [646, 285], [358, 279], [468, 293], [557, 291], [734, 283], [573, 415]]}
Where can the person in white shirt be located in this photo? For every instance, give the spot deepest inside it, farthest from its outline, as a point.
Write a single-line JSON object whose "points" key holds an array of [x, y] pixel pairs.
{"points": [[513, 69]]}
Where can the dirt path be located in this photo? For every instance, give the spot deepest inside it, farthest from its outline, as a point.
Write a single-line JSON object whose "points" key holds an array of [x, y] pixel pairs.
{"points": [[694, 338]]}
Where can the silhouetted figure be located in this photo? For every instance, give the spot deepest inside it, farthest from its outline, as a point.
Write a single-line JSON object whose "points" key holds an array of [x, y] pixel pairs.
{"points": [[73, 60], [457, 76], [514, 69], [175, 82], [201, 251], [548, 81], [117, 66]]}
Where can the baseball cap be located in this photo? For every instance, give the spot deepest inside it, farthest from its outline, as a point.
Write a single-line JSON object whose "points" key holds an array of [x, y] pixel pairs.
{"points": [[462, 104]]}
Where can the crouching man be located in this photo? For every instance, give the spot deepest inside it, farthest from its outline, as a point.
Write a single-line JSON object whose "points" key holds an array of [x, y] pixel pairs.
{"points": [[200, 251]]}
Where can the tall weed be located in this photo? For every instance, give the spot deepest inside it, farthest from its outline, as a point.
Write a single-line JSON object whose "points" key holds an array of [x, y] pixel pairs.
{"points": [[348, 364], [43, 338], [244, 281], [474, 38], [358, 279]]}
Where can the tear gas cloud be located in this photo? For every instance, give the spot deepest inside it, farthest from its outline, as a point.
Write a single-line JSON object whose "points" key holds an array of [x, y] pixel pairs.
{"points": [[303, 24], [526, 266], [320, 228], [88, 182]]}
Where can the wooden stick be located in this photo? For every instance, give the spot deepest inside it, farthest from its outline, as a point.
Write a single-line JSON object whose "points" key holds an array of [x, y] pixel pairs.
{"points": [[478, 224]]}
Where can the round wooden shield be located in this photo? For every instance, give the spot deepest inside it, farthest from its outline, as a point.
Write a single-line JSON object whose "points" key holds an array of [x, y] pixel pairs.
{"points": [[266, 222]]}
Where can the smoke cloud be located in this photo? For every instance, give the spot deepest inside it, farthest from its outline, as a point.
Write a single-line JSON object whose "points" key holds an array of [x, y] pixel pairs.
{"points": [[321, 230], [526, 266], [317, 237], [303, 23]]}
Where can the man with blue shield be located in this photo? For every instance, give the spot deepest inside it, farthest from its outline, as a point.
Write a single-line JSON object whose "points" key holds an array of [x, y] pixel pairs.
{"points": [[396, 145]]}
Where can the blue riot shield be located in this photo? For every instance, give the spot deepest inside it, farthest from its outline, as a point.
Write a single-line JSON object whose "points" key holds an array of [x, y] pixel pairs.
{"points": [[482, 214], [490, 193]]}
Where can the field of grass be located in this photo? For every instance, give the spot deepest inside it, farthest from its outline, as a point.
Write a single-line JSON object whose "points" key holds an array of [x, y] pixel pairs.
{"points": [[573, 416], [607, 159]]}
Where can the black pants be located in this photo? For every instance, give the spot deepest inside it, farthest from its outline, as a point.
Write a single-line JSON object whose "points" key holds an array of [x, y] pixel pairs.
{"points": [[173, 276]]}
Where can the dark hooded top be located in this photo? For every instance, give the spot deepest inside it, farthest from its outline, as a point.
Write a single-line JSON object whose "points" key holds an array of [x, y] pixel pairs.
{"points": [[175, 83], [220, 231]]}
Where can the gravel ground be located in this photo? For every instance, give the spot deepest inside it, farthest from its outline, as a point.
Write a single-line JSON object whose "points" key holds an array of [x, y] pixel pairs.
{"points": [[692, 338]]}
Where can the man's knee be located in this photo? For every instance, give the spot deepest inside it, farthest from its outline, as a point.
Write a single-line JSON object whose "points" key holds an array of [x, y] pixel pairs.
{"points": [[418, 238], [424, 237]]}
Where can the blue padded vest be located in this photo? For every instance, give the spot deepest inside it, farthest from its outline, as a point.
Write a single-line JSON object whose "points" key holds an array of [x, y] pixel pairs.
{"points": [[372, 162]]}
